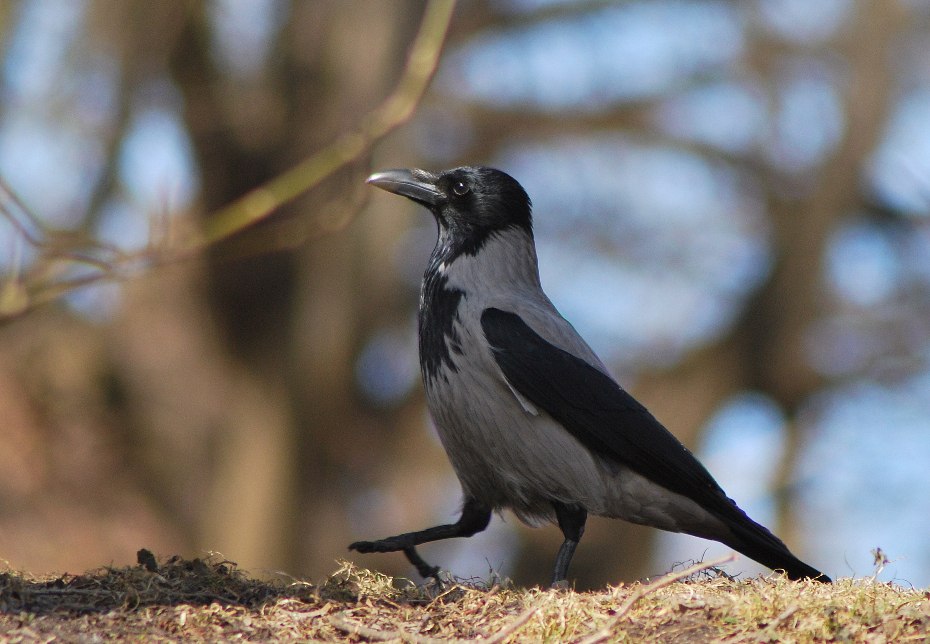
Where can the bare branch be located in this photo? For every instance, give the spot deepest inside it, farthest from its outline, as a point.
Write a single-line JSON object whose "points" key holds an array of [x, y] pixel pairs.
{"points": [[108, 263], [393, 112], [20, 216]]}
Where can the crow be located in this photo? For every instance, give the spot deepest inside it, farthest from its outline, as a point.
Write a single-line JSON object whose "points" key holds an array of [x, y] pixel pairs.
{"points": [[530, 418]]}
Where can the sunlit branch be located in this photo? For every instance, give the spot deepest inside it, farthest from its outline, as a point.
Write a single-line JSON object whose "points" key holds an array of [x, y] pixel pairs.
{"points": [[20, 216], [394, 111], [21, 292]]}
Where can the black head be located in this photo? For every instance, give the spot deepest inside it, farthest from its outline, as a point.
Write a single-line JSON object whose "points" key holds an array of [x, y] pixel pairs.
{"points": [[469, 203]]}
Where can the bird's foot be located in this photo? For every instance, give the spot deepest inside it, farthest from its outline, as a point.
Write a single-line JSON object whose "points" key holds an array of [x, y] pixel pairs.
{"points": [[394, 544], [560, 584], [440, 581]]}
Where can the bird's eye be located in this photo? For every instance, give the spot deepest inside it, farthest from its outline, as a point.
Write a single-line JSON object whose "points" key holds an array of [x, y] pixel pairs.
{"points": [[460, 188]]}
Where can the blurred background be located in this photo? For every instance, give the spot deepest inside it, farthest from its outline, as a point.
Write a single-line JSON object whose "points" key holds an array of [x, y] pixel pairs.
{"points": [[732, 204]]}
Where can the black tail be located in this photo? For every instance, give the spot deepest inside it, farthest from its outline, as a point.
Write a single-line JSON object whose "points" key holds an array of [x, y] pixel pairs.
{"points": [[758, 543]]}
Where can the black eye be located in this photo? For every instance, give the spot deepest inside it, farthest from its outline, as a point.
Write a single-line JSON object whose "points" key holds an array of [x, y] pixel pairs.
{"points": [[460, 188]]}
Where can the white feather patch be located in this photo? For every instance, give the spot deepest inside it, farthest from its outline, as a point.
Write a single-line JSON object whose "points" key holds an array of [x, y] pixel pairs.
{"points": [[528, 407]]}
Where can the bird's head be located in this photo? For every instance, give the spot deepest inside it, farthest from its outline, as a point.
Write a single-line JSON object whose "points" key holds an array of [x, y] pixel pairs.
{"points": [[469, 203]]}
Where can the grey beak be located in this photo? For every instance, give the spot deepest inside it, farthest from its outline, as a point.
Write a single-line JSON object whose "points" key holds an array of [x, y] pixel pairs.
{"points": [[404, 182]]}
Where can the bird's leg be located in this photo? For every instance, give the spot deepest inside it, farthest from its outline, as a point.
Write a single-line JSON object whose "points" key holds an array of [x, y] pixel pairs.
{"points": [[571, 520], [475, 518], [422, 567]]}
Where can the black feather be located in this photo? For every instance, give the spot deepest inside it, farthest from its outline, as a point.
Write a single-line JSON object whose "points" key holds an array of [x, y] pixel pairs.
{"points": [[436, 320], [491, 202], [612, 424]]}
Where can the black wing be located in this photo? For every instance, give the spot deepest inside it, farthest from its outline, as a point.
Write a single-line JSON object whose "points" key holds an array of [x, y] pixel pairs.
{"points": [[611, 423], [595, 409]]}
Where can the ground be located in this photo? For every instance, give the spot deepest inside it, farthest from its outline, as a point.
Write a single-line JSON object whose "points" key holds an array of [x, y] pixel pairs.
{"points": [[210, 599]]}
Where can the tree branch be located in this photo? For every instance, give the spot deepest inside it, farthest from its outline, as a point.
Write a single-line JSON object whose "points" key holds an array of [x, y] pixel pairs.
{"points": [[393, 112]]}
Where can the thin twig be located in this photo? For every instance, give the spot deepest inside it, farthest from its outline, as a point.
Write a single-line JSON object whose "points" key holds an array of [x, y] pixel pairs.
{"points": [[513, 626], [354, 628], [33, 230], [670, 578], [254, 206], [781, 618]]}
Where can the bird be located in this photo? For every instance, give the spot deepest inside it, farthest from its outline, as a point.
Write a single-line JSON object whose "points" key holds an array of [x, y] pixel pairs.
{"points": [[531, 419]]}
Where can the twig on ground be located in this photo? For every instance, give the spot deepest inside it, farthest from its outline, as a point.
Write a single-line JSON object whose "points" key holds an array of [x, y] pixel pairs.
{"points": [[513, 626], [354, 628], [670, 578]]}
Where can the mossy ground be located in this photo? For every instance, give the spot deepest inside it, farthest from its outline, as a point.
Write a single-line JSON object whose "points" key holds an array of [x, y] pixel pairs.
{"points": [[209, 599]]}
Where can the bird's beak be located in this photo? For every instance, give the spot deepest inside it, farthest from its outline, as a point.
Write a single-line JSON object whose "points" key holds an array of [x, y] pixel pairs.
{"points": [[417, 186]]}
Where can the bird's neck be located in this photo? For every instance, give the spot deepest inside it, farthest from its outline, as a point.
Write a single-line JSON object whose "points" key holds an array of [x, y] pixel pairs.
{"points": [[504, 265], [503, 260]]}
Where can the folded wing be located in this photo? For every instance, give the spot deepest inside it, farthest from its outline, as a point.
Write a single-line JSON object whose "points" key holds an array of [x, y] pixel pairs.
{"points": [[612, 424]]}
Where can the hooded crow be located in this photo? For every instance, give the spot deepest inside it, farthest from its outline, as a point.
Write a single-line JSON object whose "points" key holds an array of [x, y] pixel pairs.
{"points": [[529, 416]]}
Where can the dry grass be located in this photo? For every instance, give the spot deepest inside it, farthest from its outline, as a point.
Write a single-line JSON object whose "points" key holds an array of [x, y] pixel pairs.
{"points": [[211, 600]]}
